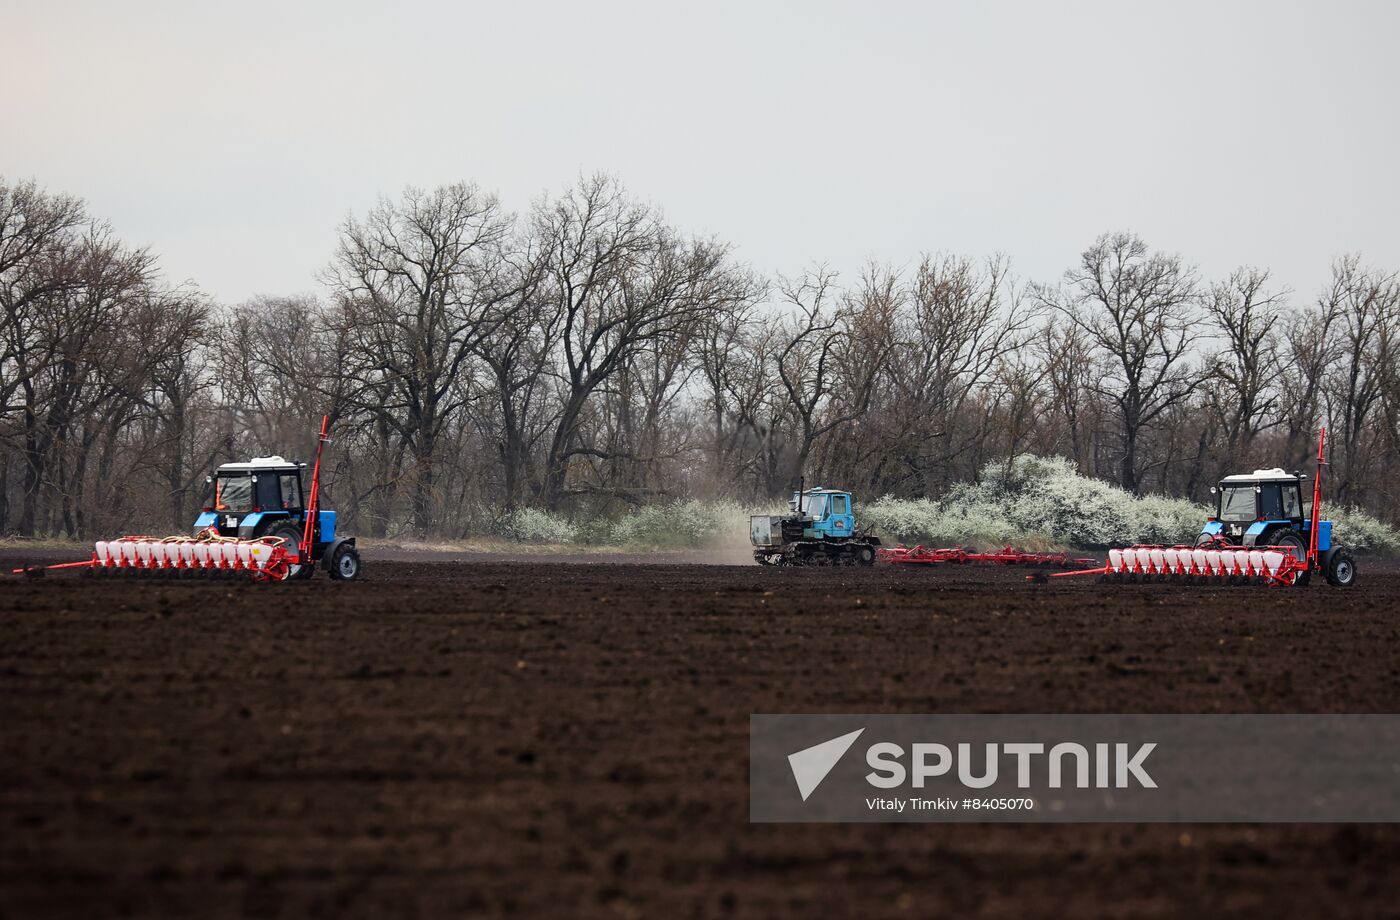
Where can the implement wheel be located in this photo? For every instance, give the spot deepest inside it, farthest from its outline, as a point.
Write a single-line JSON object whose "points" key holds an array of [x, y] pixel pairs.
{"points": [[865, 555]]}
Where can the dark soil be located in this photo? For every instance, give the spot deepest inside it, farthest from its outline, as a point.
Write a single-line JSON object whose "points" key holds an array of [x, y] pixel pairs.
{"points": [[451, 739]]}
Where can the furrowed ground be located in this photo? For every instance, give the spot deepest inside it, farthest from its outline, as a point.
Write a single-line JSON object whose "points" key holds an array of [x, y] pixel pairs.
{"points": [[487, 737]]}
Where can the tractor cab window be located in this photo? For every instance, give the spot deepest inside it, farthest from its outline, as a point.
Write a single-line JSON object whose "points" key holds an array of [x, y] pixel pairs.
{"points": [[1292, 502], [1271, 501], [291, 491], [814, 506], [233, 493], [839, 504], [1237, 503]]}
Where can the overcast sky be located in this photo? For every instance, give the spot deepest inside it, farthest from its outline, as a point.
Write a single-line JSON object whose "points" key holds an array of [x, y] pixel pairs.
{"points": [[234, 137]]}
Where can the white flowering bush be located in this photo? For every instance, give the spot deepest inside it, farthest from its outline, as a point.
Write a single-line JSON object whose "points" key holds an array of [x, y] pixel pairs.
{"points": [[938, 523], [531, 525], [1035, 502], [1357, 530], [1045, 495], [683, 525], [1159, 519]]}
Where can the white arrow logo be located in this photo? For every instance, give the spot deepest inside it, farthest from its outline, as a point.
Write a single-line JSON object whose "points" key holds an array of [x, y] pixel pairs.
{"points": [[811, 765]]}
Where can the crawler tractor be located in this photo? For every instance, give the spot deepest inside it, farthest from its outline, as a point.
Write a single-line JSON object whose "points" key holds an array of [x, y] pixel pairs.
{"points": [[819, 530]]}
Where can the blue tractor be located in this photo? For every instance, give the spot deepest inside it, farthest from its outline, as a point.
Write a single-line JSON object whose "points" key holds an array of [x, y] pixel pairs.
{"points": [[1267, 508], [819, 530], [264, 498]]}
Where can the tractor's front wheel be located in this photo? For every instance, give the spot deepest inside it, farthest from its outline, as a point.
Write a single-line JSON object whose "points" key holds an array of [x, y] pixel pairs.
{"points": [[1341, 570], [346, 564]]}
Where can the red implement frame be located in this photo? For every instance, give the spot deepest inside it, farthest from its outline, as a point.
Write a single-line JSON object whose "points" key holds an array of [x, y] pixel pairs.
{"points": [[264, 559], [1317, 502], [958, 556], [313, 506]]}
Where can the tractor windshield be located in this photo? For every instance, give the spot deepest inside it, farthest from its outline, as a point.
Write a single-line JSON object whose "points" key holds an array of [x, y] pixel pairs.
{"points": [[1271, 501], [813, 504], [1237, 503], [233, 493]]}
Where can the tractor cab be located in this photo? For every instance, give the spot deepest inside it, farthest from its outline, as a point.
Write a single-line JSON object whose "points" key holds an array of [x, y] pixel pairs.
{"points": [[257, 498], [1264, 508], [825, 513]]}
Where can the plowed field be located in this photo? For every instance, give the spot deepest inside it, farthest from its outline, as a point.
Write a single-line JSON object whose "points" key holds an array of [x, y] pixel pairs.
{"points": [[545, 739]]}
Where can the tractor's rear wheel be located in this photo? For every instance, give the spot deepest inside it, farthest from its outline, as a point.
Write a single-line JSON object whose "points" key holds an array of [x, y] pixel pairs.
{"points": [[1285, 536], [1341, 570], [291, 537], [1289, 539]]}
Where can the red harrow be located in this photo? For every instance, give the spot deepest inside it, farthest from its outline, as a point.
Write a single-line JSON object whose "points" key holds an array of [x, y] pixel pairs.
{"points": [[959, 556]]}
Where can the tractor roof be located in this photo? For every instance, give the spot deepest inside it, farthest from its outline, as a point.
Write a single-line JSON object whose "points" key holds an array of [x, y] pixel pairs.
{"points": [[1274, 475], [257, 464]]}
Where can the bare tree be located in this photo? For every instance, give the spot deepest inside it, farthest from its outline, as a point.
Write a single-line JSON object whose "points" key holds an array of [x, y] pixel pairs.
{"points": [[176, 355], [1139, 310], [835, 348], [1068, 357], [79, 365], [1367, 305], [518, 356], [1310, 349], [723, 349], [417, 285], [593, 358], [624, 281], [37, 230], [958, 323], [1243, 392]]}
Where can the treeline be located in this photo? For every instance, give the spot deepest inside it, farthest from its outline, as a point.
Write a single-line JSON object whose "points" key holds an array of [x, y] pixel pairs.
{"points": [[586, 357]]}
